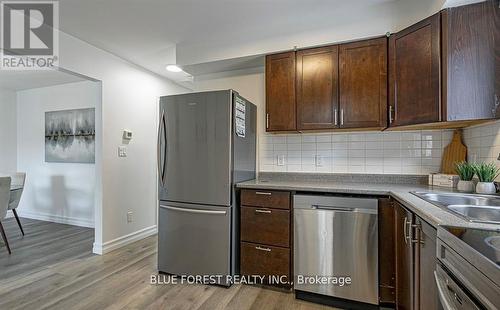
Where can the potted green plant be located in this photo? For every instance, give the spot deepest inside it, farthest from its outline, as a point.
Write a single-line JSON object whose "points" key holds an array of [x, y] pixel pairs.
{"points": [[465, 172], [487, 173]]}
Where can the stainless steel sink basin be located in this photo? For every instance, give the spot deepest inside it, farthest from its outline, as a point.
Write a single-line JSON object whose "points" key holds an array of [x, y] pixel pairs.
{"points": [[494, 242], [446, 199], [475, 208], [479, 213]]}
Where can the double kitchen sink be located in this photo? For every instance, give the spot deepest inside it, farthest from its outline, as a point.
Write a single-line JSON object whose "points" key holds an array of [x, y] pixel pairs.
{"points": [[474, 208]]}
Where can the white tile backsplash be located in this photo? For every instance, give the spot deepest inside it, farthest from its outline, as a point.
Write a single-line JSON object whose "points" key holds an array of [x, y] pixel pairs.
{"points": [[483, 143], [410, 152]]}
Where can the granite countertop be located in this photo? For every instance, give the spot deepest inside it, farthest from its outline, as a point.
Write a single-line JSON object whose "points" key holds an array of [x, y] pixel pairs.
{"points": [[431, 213]]}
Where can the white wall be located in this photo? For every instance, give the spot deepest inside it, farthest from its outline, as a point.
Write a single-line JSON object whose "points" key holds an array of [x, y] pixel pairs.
{"points": [[60, 192], [251, 86], [8, 151], [129, 101]]}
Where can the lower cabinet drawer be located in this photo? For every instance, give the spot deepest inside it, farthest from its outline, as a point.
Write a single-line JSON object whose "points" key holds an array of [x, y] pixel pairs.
{"points": [[265, 226], [265, 198], [263, 260]]}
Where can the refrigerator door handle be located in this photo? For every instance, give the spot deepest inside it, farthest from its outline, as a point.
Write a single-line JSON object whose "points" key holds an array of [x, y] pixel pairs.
{"points": [[165, 160], [194, 210], [162, 135]]}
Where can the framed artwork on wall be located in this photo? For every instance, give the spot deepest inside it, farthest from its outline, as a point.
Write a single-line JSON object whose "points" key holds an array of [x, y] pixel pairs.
{"points": [[70, 136]]}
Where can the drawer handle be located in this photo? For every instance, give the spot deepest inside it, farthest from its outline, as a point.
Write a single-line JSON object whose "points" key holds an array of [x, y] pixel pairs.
{"points": [[263, 193], [262, 249], [263, 211]]}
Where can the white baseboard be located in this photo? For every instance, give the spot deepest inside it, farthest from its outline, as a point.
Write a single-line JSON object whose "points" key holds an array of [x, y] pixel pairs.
{"points": [[56, 218], [114, 244]]}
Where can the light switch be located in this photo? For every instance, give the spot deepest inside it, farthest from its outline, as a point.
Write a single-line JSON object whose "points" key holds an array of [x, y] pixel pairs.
{"points": [[122, 151], [319, 161], [281, 160]]}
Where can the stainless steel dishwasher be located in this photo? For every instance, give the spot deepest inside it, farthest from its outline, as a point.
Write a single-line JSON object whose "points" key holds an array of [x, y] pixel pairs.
{"points": [[336, 237]]}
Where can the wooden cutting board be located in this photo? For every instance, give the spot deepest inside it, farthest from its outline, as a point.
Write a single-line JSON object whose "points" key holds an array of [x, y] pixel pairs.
{"points": [[454, 153]]}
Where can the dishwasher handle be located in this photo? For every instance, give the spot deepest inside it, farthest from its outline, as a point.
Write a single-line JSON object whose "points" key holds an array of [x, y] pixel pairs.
{"points": [[335, 203], [344, 209]]}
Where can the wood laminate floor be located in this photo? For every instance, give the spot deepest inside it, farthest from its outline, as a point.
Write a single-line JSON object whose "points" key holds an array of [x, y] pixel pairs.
{"points": [[53, 267]]}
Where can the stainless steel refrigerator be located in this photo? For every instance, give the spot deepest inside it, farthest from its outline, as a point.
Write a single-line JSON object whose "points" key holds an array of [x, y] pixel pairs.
{"points": [[206, 144]]}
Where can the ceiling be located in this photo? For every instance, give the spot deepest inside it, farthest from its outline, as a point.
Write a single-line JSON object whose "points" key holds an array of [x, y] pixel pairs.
{"points": [[240, 63], [207, 36], [21, 80]]}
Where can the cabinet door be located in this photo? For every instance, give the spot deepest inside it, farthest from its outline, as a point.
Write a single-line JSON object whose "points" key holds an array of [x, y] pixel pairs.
{"points": [[414, 73], [363, 84], [386, 255], [471, 60], [425, 265], [280, 92], [317, 88], [404, 258]]}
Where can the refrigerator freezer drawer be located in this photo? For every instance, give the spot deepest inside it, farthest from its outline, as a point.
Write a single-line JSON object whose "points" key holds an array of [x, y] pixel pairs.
{"points": [[194, 239]]}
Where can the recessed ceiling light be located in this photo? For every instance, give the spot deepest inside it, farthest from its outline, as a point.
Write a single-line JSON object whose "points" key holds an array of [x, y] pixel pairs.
{"points": [[173, 68]]}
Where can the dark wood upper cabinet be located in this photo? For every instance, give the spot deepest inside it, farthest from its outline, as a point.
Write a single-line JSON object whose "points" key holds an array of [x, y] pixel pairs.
{"points": [[414, 73], [363, 84], [471, 61], [317, 88], [445, 70], [280, 92], [497, 52]]}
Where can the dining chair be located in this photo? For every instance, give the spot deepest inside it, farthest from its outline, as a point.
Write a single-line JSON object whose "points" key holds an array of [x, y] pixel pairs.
{"points": [[18, 180], [4, 204]]}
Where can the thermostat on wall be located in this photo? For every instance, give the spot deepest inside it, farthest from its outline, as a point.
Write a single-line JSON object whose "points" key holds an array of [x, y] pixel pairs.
{"points": [[127, 134]]}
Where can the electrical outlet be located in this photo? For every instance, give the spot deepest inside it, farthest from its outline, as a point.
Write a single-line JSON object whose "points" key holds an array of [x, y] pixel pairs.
{"points": [[130, 217], [281, 160], [319, 161]]}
